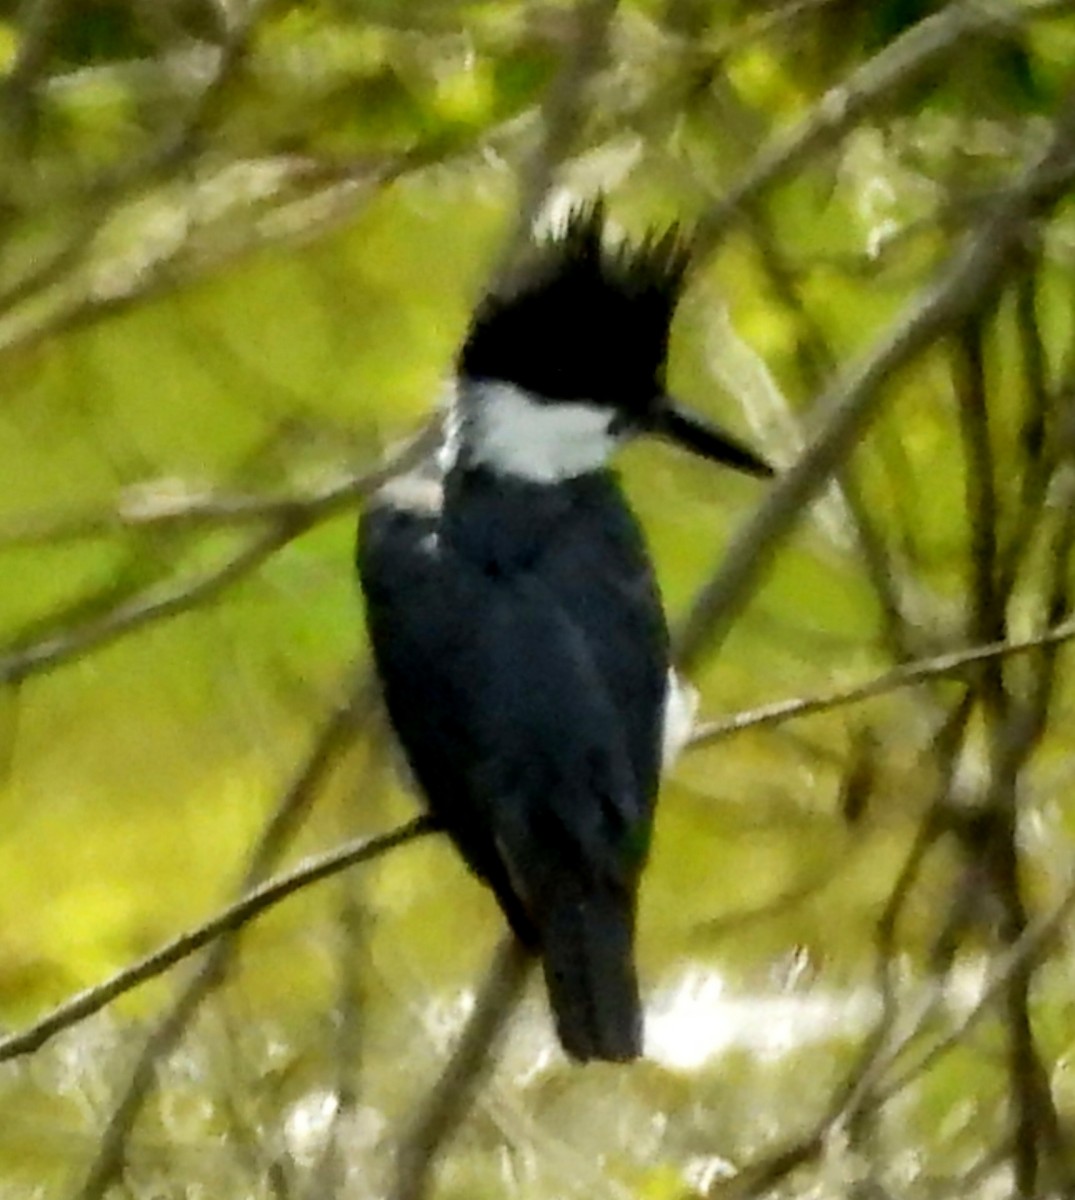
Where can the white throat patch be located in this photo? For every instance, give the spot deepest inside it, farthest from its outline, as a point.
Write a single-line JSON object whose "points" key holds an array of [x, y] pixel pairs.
{"points": [[508, 430]]}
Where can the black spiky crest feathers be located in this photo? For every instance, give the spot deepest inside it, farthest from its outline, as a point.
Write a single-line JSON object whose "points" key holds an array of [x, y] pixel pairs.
{"points": [[586, 320]]}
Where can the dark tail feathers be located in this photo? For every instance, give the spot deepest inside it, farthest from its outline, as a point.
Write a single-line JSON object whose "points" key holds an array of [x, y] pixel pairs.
{"points": [[588, 957]]}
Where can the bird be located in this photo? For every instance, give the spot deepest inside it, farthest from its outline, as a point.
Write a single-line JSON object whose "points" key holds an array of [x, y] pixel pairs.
{"points": [[514, 616]]}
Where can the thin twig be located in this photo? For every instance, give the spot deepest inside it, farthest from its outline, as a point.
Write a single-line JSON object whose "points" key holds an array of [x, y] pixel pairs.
{"points": [[559, 122], [817, 362], [1037, 434], [449, 1101], [1037, 1125], [858, 1087], [1037, 935], [902, 62], [323, 198], [328, 747], [160, 603], [100, 200], [328, 1175], [759, 1177], [907, 675], [140, 511], [312, 870], [986, 606], [69, 645], [854, 399]]}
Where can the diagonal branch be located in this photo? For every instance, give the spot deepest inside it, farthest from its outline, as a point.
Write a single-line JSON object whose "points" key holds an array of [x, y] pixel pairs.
{"points": [[1016, 960], [448, 1102], [328, 747], [901, 64], [229, 920], [160, 603], [853, 400]]}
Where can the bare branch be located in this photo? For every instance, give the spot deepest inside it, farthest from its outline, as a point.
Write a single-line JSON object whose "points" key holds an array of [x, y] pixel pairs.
{"points": [[229, 920], [141, 511], [1036, 435], [1024, 952], [72, 643], [449, 1101], [104, 195], [331, 741], [759, 1177], [313, 870], [902, 62], [907, 675], [817, 361], [69, 645], [852, 401], [986, 606], [559, 124]]}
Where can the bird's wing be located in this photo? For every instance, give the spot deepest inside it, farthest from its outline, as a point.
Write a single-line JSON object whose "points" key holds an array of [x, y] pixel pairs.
{"points": [[504, 717], [618, 608]]}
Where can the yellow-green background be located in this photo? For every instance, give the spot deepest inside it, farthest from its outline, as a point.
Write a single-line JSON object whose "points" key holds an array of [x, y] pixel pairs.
{"points": [[203, 341]]}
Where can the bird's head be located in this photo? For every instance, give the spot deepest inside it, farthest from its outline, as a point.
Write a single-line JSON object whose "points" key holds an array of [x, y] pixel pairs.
{"points": [[568, 363]]}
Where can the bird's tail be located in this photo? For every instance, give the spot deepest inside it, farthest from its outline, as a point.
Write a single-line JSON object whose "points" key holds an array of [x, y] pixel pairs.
{"points": [[588, 956]]}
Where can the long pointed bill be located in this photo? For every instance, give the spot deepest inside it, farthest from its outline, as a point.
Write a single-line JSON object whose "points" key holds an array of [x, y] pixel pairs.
{"points": [[698, 436]]}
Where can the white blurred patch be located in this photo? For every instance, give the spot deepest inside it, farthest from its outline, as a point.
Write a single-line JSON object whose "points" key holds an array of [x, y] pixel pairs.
{"points": [[706, 1172], [448, 450], [680, 711], [695, 1020], [308, 1123], [312, 1119], [413, 493]]}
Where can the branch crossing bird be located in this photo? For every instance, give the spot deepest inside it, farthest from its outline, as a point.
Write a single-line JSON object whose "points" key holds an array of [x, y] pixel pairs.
{"points": [[515, 619]]}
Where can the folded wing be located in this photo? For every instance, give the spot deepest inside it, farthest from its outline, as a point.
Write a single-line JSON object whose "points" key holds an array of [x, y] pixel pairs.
{"points": [[513, 733]]}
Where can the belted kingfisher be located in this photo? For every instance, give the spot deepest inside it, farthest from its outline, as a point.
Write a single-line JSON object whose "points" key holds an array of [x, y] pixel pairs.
{"points": [[515, 619]]}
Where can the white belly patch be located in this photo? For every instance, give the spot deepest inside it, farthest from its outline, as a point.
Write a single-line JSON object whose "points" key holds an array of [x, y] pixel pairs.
{"points": [[680, 709]]}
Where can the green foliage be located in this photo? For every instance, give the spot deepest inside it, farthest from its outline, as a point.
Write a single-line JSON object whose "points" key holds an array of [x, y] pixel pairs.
{"points": [[244, 278]]}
